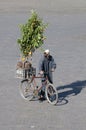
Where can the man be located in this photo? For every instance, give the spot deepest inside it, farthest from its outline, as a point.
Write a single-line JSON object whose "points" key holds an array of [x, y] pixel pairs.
{"points": [[47, 65]]}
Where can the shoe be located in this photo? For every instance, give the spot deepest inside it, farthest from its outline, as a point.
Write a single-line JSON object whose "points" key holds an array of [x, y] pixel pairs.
{"points": [[41, 99]]}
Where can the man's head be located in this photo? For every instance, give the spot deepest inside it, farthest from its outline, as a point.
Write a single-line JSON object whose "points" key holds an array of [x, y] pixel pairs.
{"points": [[46, 52]]}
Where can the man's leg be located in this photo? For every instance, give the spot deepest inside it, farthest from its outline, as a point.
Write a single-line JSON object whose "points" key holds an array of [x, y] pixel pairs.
{"points": [[50, 79]]}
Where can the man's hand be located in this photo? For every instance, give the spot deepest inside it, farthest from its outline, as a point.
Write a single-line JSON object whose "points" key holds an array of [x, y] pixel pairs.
{"points": [[41, 72], [52, 69]]}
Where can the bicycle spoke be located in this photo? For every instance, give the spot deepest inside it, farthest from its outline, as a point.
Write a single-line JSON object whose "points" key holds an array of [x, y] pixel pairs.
{"points": [[26, 90]]}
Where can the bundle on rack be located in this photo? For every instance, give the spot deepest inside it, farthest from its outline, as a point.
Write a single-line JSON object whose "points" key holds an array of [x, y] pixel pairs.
{"points": [[25, 70]]}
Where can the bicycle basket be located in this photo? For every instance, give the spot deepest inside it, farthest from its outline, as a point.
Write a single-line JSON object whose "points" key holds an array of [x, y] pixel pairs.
{"points": [[20, 73], [32, 71]]}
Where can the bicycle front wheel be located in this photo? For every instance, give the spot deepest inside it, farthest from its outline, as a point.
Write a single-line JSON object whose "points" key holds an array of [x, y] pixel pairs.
{"points": [[51, 94], [26, 90]]}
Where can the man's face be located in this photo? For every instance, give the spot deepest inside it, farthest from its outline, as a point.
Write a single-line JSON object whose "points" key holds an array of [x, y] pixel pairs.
{"points": [[45, 54]]}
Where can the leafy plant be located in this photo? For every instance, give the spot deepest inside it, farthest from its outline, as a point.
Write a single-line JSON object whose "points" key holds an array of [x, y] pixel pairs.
{"points": [[32, 35]]}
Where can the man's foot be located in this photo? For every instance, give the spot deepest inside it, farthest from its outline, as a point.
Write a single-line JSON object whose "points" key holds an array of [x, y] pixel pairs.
{"points": [[41, 99]]}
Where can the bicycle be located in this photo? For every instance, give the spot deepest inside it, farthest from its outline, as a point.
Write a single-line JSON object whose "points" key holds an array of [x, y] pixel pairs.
{"points": [[29, 89]]}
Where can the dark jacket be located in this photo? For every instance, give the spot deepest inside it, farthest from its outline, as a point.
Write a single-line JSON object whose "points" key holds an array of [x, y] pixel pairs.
{"points": [[46, 65]]}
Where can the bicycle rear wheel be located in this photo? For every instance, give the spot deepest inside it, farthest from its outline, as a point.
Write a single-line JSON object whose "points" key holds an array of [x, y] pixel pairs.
{"points": [[51, 94], [26, 90]]}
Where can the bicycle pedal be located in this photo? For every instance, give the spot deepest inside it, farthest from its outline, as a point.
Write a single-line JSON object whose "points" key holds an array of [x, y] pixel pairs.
{"points": [[26, 90]]}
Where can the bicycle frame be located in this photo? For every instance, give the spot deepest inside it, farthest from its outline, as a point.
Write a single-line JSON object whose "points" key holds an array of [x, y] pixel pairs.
{"points": [[35, 84]]}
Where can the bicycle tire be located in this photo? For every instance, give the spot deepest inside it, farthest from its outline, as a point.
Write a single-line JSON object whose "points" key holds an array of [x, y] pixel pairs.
{"points": [[51, 94], [26, 90]]}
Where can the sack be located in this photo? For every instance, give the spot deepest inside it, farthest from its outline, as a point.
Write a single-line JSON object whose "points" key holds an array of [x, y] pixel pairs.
{"points": [[23, 65], [19, 65], [27, 65]]}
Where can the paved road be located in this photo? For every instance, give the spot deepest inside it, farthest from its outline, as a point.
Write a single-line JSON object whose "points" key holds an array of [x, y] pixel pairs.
{"points": [[66, 39]]}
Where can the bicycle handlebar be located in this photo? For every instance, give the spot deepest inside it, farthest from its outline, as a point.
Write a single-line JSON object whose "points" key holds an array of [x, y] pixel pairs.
{"points": [[46, 72]]}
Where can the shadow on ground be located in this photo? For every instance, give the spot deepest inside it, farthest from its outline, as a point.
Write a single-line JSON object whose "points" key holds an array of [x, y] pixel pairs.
{"points": [[69, 90]]}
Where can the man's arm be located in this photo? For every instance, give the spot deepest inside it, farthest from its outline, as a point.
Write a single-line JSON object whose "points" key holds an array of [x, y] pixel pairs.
{"points": [[53, 64]]}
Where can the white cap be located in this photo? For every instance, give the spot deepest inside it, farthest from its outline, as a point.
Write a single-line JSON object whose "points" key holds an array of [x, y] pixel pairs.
{"points": [[47, 51]]}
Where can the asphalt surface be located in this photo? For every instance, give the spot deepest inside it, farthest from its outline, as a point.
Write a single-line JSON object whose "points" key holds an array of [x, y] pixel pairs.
{"points": [[66, 39]]}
